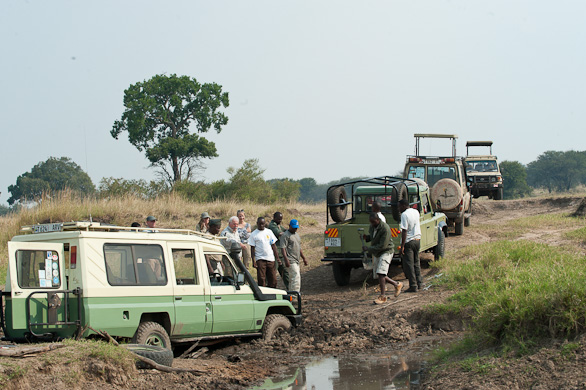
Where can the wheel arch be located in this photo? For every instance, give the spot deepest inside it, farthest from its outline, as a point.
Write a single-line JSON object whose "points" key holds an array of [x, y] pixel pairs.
{"points": [[162, 318]]}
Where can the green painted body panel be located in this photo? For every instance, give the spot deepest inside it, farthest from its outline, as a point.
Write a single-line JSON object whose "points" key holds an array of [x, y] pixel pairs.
{"points": [[16, 325], [120, 316], [233, 313], [193, 315]]}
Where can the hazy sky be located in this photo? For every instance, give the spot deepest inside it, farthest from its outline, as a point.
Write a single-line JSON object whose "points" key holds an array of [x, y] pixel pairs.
{"points": [[319, 89]]}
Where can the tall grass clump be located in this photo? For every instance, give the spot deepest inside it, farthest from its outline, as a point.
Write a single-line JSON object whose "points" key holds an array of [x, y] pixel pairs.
{"points": [[516, 293]]}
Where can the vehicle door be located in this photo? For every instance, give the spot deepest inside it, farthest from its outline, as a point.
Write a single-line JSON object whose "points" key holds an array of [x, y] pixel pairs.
{"points": [[428, 224], [232, 305], [33, 303], [191, 293]]}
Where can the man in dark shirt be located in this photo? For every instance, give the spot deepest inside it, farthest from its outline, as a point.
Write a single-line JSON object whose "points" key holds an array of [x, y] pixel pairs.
{"points": [[278, 230]]}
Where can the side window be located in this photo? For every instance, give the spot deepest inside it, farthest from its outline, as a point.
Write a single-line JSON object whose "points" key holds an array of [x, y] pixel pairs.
{"points": [[135, 265], [416, 172], [185, 270], [38, 269], [221, 270]]}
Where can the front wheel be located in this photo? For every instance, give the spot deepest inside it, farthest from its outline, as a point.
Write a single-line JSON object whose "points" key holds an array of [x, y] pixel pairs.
{"points": [[274, 325], [440, 248], [152, 333], [498, 195], [341, 273]]}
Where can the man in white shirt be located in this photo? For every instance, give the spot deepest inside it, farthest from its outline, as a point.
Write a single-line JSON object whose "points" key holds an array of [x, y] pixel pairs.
{"points": [[410, 245], [264, 252]]}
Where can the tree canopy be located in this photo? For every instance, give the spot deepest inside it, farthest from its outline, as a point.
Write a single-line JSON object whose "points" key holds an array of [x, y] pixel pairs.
{"points": [[559, 171], [158, 115], [514, 180], [55, 174]]}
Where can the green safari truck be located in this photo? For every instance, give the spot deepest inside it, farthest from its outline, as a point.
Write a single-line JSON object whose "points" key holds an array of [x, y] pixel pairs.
{"points": [[342, 237], [152, 287]]}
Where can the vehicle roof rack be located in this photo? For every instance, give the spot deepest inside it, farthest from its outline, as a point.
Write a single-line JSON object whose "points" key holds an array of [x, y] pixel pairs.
{"points": [[478, 143], [453, 137], [104, 227]]}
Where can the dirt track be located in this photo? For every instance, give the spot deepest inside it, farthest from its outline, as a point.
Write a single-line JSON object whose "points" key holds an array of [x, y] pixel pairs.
{"points": [[343, 320]]}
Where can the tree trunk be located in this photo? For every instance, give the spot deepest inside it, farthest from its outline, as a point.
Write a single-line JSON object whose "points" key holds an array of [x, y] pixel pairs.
{"points": [[176, 171]]}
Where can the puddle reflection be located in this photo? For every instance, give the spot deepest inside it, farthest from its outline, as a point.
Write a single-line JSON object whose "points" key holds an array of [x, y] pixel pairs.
{"points": [[350, 372]]}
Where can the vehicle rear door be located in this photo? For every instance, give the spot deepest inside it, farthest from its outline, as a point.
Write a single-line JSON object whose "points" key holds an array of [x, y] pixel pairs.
{"points": [[33, 298]]}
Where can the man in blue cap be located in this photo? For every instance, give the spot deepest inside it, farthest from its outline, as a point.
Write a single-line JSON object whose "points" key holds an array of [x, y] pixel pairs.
{"points": [[291, 251]]}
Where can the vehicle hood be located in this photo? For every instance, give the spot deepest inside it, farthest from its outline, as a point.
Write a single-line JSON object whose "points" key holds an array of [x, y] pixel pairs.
{"points": [[268, 290]]}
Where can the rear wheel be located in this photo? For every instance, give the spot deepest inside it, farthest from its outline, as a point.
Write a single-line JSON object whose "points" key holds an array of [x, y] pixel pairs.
{"points": [[274, 325], [335, 196], [152, 333], [466, 221], [341, 273], [440, 248], [459, 227]]}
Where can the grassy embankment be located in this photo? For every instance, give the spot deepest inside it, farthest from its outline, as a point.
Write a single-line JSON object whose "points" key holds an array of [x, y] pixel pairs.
{"points": [[516, 294], [172, 211]]}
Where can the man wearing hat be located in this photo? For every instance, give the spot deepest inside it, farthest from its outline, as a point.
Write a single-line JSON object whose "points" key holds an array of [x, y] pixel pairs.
{"points": [[204, 223], [214, 262], [215, 227], [291, 250], [150, 222]]}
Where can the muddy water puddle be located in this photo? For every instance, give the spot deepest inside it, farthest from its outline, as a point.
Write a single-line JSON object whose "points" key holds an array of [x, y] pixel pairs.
{"points": [[351, 372]]}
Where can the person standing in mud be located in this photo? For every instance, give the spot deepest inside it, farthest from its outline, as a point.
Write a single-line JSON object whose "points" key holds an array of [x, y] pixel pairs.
{"points": [[292, 252], [410, 244], [263, 253], [278, 231], [381, 247]]}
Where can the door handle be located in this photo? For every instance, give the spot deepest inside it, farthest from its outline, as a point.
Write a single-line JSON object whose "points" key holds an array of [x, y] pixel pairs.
{"points": [[178, 298], [218, 297], [17, 292]]}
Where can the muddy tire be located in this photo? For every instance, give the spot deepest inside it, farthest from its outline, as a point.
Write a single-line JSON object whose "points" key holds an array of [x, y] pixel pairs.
{"points": [[338, 195], [440, 248], [341, 273], [159, 355], [498, 194], [399, 193], [275, 324], [459, 227], [152, 333], [466, 221]]}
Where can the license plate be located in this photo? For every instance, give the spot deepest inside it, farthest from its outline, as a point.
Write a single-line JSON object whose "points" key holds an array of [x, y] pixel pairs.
{"points": [[48, 227], [333, 241]]}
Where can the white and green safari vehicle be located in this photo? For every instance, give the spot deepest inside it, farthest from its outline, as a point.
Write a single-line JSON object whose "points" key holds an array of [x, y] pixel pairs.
{"points": [[156, 288]]}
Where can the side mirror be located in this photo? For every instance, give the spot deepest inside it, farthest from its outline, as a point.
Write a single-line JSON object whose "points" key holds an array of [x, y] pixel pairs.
{"points": [[240, 279]]}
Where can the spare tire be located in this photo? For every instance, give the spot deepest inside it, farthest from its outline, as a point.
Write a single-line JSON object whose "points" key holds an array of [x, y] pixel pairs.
{"points": [[399, 192], [446, 193], [335, 196], [157, 354]]}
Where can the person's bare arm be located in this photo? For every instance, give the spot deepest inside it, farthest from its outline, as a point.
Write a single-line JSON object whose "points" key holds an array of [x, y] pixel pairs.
{"points": [[275, 252], [252, 257], [302, 256], [287, 262]]}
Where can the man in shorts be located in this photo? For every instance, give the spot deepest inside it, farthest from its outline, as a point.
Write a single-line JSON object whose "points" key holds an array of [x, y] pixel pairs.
{"points": [[381, 248]]}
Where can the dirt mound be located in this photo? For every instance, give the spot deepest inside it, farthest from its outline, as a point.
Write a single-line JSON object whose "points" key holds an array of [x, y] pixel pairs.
{"points": [[581, 210]]}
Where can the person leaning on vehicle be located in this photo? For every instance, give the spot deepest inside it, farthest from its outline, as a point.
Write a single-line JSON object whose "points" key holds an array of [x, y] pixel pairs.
{"points": [[292, 252], [381, 247], [232, 240], [410, 244]]}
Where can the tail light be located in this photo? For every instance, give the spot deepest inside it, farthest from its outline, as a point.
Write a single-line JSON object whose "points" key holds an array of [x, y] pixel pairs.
{"points": [[73, 257], [326, 232]]}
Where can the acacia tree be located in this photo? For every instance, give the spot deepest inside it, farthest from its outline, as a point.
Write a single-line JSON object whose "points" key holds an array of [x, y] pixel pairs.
{"points": [[55, 174], [158, 116], [514, 180]]}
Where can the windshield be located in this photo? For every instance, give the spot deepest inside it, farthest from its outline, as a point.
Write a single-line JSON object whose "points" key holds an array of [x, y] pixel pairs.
{"points": [[434, 173], [481, 166]]}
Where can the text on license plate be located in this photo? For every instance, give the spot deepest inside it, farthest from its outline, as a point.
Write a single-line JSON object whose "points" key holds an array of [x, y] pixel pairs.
{"points": [[333, 241]]}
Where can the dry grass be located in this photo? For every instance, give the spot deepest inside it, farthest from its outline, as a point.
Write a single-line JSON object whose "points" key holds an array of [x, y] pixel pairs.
{"points": [[172, 211]]}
